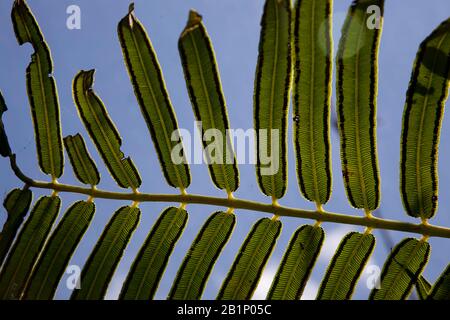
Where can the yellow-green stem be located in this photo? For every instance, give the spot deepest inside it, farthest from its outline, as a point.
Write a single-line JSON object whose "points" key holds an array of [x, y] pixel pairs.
{"points": [[372, 222]]}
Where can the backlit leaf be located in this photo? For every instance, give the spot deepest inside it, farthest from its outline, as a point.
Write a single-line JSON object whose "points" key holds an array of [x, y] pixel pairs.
{"points": [[42, 91], [102, 131], [422, 118], [356, 86], [208, 102]]}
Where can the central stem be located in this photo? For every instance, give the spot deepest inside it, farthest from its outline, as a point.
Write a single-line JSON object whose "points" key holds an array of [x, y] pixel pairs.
{"points": [[231, 202]]}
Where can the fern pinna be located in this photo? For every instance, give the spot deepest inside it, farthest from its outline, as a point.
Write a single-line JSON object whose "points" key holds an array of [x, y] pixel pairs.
{"points": [[295, 57]]}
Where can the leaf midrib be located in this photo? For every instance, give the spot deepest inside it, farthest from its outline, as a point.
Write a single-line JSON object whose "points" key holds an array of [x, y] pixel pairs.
{"points": [[311, 106], [272, 94], [357, 132]]}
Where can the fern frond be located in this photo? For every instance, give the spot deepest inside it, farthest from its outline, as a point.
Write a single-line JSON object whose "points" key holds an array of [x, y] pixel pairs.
{"points": [[422, 118], [423, 288], [208, 102], [102, 131], [346, 266], [58, 250], [356, 90], [151, 93], [17, 203], [83, 166], [149, 264], [271, 96], [201, 257], [103, 261], [42, 91], [249, 264], [28, 245], [402, 269], [441, 289], [313, 70], [297, 264]]}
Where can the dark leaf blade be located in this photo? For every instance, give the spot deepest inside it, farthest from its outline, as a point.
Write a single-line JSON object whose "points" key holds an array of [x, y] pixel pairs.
{"points": [[356, 90], [249, 263], [208, 102], [271, 97], [150, 90], [313, 70], [423, 288], [42, 91], [28, 245], [103, 131], [83, 166], [149, 264], [17, 203], [402, 269], [57, 252], [441, 289], [296, 266], [5, 149], [103, 260], [201, 257], [346, 266], [421, 124]]}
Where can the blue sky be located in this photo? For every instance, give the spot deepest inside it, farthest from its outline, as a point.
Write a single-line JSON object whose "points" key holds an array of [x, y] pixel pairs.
{"points": [[234, 29]]}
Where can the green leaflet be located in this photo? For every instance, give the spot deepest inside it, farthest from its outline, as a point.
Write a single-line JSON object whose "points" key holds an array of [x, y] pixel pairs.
{"points": [[297, 264], [101, 264], [271, 97], [208, 102], [422, 118], [249, 263], [17, 203], [149, 264], [402, 269], [151, 93], [441, 289], [82, 163], [201, 257], [313, 70], [42, 92], [102, 131], [5, 149], [346, 267], [27, 246], [423, 288], [357, 86], [58, 250]]}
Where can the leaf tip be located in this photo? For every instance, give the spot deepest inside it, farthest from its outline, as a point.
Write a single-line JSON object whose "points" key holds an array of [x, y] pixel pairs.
{"points": [[130, 15], [194, 20]]}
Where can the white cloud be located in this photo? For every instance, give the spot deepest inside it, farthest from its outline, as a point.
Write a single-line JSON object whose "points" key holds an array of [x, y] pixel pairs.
{"points": [[264, 283], [332, 240], [115, 286], [310, 291]]}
